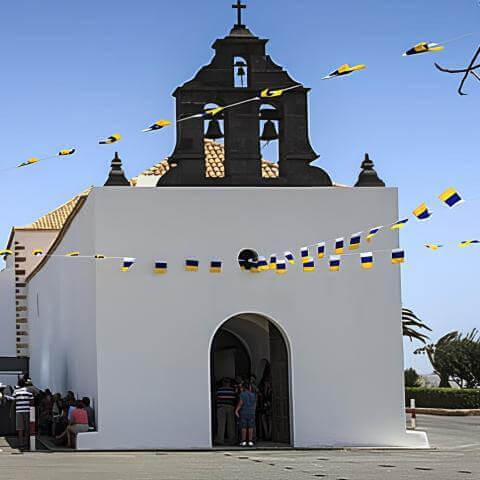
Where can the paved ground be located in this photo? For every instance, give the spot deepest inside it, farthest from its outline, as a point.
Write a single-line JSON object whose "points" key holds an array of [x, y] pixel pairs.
{"points": [[457, 457]]}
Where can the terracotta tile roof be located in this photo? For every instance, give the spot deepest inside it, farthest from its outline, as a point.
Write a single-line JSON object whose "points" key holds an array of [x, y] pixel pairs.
{"points": [[214, 157], [55, 219]]}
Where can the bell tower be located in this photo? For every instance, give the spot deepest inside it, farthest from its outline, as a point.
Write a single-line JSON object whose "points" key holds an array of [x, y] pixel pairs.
{"points": [[239, 71]]}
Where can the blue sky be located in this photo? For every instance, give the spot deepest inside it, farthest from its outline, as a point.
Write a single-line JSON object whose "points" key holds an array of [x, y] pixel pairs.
{"points": [[74, 72]]}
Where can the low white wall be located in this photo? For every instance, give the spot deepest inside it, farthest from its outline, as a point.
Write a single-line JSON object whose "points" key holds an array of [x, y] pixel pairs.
{"points": [[7, 313], [154, 332]]}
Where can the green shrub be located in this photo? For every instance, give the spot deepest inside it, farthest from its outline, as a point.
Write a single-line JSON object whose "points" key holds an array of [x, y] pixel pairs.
{"points": [[443, 397], [412, 378]]}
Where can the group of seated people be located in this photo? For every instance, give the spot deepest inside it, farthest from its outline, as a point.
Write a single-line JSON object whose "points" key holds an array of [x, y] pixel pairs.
{"points": [[61, 417], [243, 411], [64, 417]]}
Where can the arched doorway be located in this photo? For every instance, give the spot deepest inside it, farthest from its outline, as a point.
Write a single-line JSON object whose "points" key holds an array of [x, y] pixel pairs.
{"points": [[249, 346]]}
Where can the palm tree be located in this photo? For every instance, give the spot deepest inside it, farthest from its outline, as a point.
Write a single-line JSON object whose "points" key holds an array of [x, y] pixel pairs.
{"points": [[440, 355], [412, 324]]}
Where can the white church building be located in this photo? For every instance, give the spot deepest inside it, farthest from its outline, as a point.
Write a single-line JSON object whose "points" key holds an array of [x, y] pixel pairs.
{"points": [[150, 349]]}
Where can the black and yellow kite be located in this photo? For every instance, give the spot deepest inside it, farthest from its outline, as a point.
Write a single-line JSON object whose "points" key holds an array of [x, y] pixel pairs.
{"points": [[157, 125], [424, 47], [111, 139], [344, 70]]}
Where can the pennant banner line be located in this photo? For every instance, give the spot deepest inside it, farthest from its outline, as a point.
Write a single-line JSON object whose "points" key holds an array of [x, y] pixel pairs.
{"points": [[420, 48], [288, 255], [108, 257], [33, 160], [207, 114], [450, 197], [398, 224], [308, 264]]}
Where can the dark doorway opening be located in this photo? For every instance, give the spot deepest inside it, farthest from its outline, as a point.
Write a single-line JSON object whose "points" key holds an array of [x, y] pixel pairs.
{"points": [[249, 347]]}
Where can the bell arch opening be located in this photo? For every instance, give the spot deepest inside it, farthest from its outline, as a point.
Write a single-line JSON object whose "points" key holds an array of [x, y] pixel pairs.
{"points": [[269, 128], [240, 72], [249, 349]]}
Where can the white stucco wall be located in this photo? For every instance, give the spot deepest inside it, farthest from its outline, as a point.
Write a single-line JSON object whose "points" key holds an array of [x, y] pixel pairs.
{"points": [[7, 312], [61, 305], [153, 333]]}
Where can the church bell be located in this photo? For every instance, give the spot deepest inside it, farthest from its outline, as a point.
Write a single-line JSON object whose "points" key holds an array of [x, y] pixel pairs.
{"points": [[269, 132], [214, 131], [240, 65]]}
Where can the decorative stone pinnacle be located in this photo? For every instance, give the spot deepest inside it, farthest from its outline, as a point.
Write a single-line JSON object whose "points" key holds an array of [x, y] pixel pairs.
{"points": [[368, 176], [116, 177]]}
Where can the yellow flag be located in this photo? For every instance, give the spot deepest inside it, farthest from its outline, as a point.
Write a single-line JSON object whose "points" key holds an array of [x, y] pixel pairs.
{"points": [[30, 161], [67, 151]]}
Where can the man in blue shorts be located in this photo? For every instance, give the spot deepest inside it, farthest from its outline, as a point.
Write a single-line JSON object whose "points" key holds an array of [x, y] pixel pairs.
{"points": [[245, 411]]}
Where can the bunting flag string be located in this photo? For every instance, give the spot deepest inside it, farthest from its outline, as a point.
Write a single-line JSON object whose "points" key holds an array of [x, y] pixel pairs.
{"points": [[339, 245], [160, 124], [289, 257], [344, 71], [127, 264], [334, 263], [398, 256], [450, 197], [62, 153], [466, 243], [304, 254], [281, 268], [308, 264], [399, 224], [253, 266], [262, 264], [355, 241], [366, 260], [422, 212], [272, 93], [424, 47], [321, 250], [116, 137], [160, 267], [215, 266], [273, 262], [192, 265], [433, 246], [211, 113], [74, 254], [372, 233], [157, 125], [433, 47], [33, 160]]}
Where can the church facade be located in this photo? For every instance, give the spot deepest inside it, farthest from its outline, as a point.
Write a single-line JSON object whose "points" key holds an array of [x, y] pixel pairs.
{"points": [[150, 349]]}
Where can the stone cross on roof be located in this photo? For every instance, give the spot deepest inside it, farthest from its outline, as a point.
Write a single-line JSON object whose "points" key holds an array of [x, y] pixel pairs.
{"points": [[239, 6]]}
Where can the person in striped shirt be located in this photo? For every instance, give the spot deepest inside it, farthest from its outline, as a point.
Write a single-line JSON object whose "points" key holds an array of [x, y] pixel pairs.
{"points": [[23, 401], [226, 399]]}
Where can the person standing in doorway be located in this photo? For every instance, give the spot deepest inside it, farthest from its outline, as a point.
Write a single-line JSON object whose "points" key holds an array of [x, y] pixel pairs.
{"points": [[225, 399], [245, 411]]}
